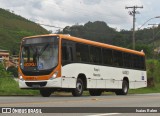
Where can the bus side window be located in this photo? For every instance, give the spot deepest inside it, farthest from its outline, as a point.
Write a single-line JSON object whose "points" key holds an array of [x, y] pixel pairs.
{"points": [[67, 51], [71, 53], [95, 55], [82, 52], [135, 61], [65, 55], [117, 58], [78, 56], [143, 63], [140, 63], [127, 60], [107, 56]]}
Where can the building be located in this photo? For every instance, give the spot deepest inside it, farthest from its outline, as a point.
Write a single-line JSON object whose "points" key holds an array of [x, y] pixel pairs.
{"points": [[7, 59], [4, 55]]}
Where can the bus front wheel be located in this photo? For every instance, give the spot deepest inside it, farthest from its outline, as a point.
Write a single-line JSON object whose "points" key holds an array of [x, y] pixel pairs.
{"points": [[45, 92], [78, 91], [124, 89]]}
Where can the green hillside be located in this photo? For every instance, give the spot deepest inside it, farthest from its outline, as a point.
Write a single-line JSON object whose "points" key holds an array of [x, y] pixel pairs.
{"points": [[97, 31], [101, 32], [13, 28]]}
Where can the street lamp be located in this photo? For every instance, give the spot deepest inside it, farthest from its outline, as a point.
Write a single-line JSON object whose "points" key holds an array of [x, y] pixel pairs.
{"points": [[147, 21]]}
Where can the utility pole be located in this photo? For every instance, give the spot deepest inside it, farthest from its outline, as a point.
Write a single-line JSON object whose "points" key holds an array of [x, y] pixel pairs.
{"points": [[133, 13]]}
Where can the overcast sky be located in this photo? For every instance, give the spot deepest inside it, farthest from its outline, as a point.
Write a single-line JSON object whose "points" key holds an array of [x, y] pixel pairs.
{"points": [[63, 13]]}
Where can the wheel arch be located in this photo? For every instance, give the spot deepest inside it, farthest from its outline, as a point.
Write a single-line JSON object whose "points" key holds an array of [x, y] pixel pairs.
{"points": [[82, 76]]}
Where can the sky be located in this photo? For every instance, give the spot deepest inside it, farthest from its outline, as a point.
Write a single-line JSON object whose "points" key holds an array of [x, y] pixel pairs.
{"points": [[62, 13]]}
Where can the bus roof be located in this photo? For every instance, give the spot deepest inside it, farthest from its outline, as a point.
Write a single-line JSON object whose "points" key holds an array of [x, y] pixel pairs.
{"points": [[85, 41]]}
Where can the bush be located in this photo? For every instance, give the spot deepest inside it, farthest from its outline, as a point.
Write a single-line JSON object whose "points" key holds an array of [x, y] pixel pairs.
{"points": [[3, 72], [153, 73], [13, 70]]}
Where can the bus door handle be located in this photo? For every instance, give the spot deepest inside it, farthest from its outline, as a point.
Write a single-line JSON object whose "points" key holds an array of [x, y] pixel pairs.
{"points": [[73, 77], [89, 78]]}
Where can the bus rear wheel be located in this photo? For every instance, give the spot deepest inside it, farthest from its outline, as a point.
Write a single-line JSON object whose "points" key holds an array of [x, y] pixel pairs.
{"points": [[78, 91], [124, 90], [45, 92], [95, 92]]}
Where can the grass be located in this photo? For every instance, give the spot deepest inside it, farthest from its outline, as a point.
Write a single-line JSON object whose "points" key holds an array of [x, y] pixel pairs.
{"points": [[155, 89], [8, 86]]}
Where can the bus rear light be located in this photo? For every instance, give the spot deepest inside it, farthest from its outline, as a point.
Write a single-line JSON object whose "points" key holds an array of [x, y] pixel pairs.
{"points": [[54, 75]]}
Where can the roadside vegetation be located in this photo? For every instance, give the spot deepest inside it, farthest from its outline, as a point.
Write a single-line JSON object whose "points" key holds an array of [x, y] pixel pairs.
{"points": [[155, 89], [9, 84], [153, 78]]}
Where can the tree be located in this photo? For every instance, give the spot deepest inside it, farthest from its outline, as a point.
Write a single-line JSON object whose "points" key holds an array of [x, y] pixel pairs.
{"points": [[3, 72], [13, 70]]}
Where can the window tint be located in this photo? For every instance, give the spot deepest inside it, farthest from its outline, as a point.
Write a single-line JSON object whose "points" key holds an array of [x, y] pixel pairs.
{"points": [[65, 55], [78, 52], [67, 50], [107, 56], [135, 62], [138, 62], [117, 58], [127, 59], [95, 55], [82, 52], [142, 63], [71, 53]]}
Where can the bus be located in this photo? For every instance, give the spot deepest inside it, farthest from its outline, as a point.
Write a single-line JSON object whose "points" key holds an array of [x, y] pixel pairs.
{"points": [[59, 62]]}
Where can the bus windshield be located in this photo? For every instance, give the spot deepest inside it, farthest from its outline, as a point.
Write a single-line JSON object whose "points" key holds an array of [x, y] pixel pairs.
{"points": [[39, 54]]}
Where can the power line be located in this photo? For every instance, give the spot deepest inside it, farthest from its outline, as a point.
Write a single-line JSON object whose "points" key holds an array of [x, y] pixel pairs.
{"points": [[148, 21], [50, 25], [133, 13]]}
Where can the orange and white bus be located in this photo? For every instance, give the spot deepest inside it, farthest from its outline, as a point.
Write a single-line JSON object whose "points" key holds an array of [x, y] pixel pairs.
{"points": [[57, 62]]}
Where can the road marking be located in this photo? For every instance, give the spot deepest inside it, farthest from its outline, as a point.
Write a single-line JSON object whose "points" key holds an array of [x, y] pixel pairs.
{"points": [[106, 114]]}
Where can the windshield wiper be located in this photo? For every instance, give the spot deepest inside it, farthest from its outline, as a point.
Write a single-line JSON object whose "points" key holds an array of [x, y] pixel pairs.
{"points": [[43, 49]]}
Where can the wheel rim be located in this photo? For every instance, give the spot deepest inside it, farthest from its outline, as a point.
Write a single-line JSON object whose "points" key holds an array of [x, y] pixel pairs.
{"points": [[79, 87]]}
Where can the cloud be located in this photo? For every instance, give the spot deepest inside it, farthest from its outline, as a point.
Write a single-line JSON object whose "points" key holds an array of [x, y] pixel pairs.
{"points": [[61, 13]]}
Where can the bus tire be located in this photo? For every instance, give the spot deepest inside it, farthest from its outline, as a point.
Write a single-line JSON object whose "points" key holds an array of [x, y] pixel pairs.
{"points": [[78, 91], [95, 92], [124, 90], [45, 92]]}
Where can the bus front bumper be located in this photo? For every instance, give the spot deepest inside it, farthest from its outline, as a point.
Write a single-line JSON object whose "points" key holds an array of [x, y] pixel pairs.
{"points": [[60, 82], [55, 83]]}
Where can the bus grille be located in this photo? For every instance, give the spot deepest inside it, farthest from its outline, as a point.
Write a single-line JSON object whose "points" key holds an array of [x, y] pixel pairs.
{"points": [[36, 84]]}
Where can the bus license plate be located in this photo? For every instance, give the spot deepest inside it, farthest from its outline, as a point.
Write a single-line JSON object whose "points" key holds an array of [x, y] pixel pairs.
{"points": [[36, 86]]}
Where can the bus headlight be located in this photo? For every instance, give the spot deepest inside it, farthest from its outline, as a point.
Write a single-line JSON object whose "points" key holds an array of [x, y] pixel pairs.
{"points": [[54, 75], [20, 77]]}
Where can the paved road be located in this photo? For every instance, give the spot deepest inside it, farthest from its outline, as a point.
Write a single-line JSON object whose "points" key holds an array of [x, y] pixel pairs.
{"points": [[136, 100]]}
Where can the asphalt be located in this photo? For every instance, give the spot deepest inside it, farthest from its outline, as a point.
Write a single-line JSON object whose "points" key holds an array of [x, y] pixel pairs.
{"points": [[54, 101]]}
